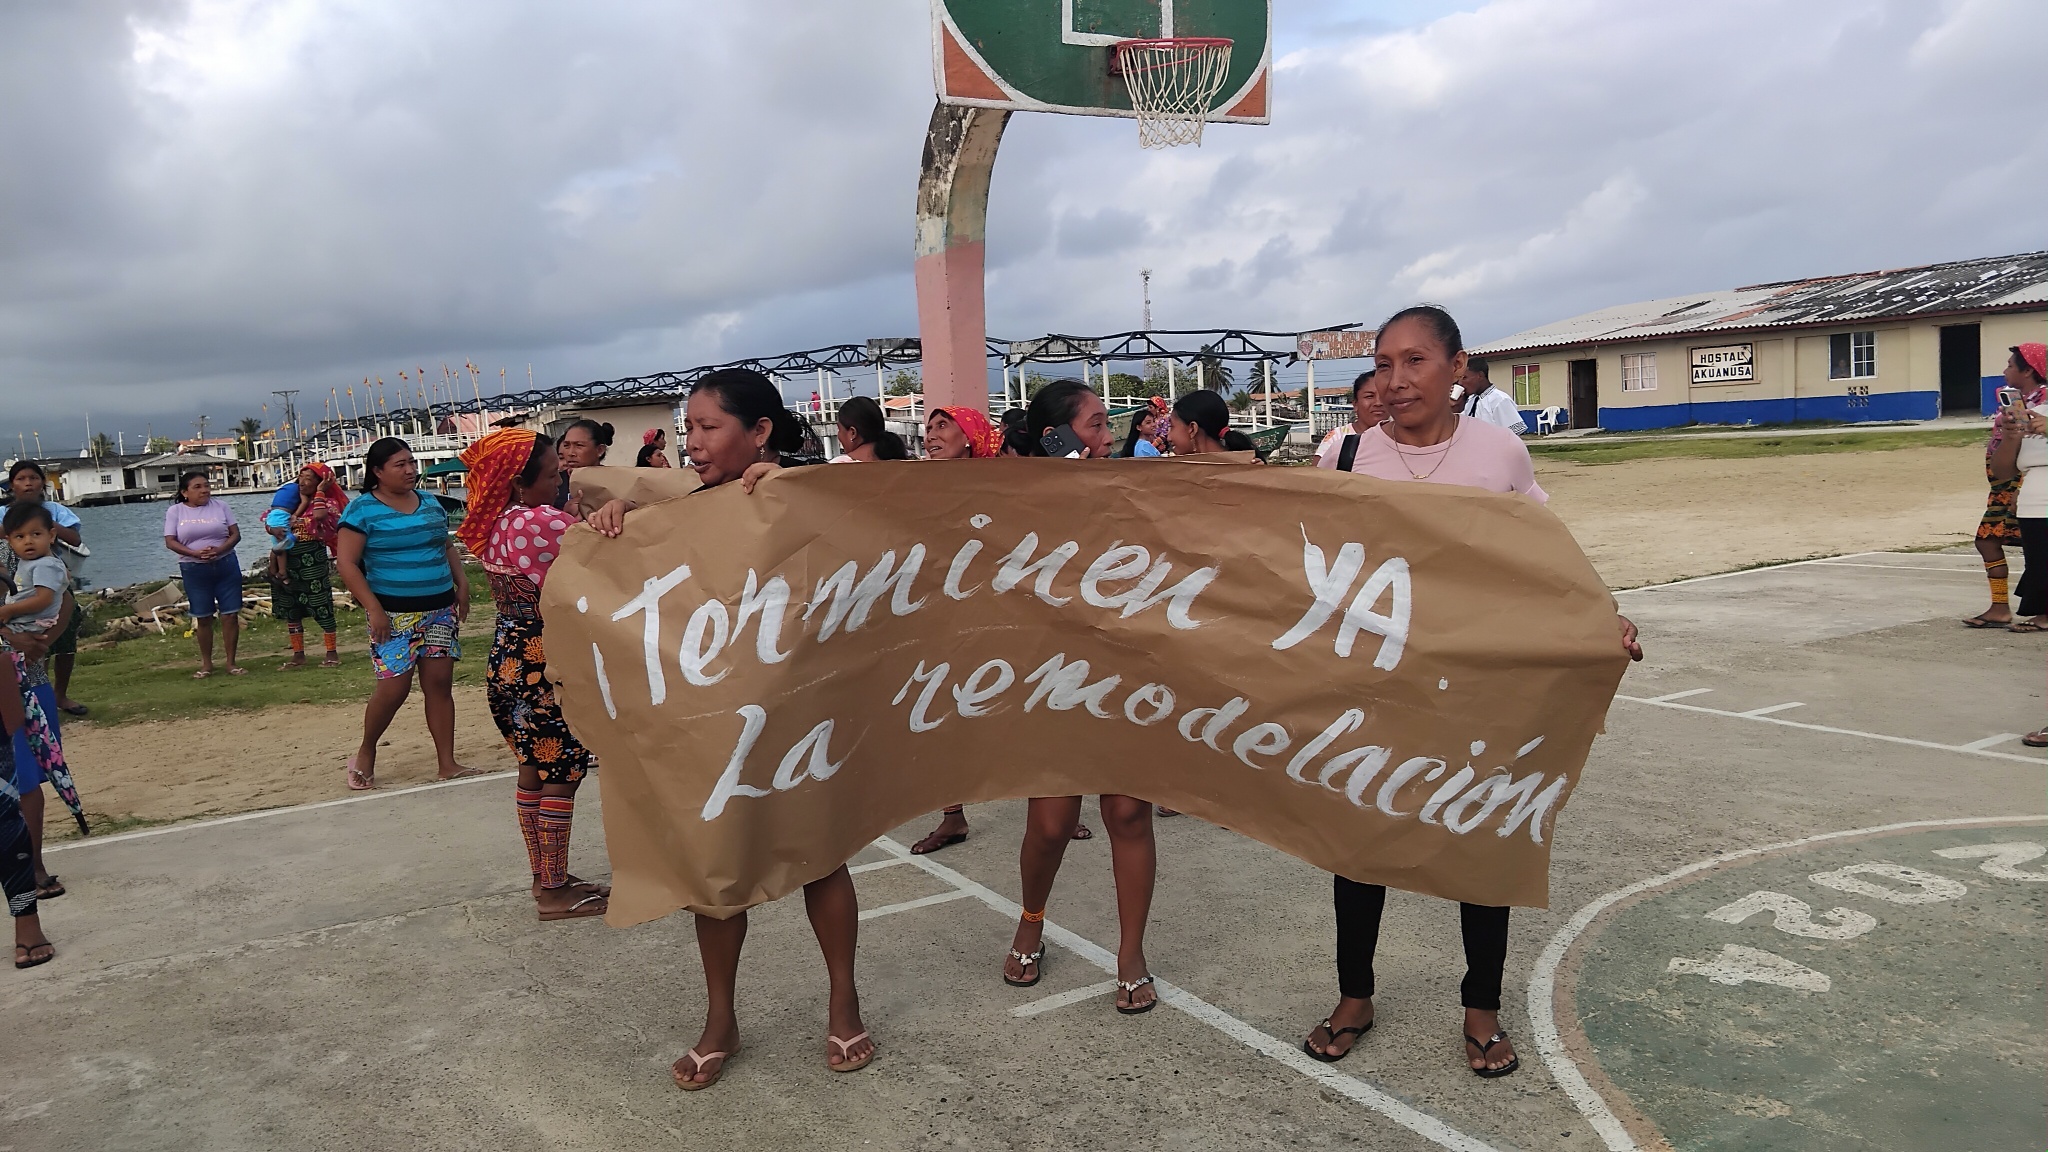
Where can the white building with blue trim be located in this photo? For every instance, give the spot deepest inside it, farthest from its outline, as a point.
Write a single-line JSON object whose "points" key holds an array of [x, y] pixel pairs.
{"points": [[1905, 344]]}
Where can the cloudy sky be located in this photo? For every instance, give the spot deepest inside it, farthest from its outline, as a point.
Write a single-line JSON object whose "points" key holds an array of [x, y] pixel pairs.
{"points": [[204, 201]]}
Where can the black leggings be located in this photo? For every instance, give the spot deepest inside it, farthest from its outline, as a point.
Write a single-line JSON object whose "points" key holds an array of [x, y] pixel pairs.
{"points": [[2033, 587], [1358, 937], [17, 871]]}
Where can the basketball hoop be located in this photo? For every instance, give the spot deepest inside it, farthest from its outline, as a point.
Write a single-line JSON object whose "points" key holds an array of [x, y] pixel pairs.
{"points": [[1172, 84]]}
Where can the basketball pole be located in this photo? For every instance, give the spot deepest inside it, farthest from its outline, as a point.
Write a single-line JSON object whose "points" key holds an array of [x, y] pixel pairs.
{"points": [[950, 253]]}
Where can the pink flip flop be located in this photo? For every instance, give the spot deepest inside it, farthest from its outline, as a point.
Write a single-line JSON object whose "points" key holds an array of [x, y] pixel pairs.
{"points": [[846, 1062]]}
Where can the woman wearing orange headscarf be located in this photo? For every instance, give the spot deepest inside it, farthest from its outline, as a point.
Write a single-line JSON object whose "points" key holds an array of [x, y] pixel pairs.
{"points": [[961, 434], [312, 505], [515, 532]]}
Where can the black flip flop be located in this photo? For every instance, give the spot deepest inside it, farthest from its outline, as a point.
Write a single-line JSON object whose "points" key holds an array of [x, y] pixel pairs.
{"points": [[1031, 962], [1492, 1073], [1325, 1057], [1131, 989], [29, 950], [1980, 622], [49, 889], [918, 849], [76, 709], [2036, 739]]}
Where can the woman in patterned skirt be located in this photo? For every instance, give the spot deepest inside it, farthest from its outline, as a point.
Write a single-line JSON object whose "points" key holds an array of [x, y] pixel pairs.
{"points": [[305, 587], [2000, 527], [515, 532]]}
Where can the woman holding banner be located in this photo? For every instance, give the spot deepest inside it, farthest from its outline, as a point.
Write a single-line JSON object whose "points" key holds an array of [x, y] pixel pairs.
{"points": [[735, 424], [1070, 417], [961, 434], [1420, 354], [515, 532]]}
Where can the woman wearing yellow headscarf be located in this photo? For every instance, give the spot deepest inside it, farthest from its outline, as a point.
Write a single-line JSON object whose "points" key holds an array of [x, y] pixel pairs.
{"points": [[515, 532]]}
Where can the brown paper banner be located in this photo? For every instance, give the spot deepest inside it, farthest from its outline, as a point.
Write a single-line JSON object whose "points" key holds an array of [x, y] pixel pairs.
{"points": [[1395, 682]]}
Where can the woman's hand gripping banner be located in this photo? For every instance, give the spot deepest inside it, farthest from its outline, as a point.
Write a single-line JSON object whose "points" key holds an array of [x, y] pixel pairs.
{"points": [[1395, 682]]}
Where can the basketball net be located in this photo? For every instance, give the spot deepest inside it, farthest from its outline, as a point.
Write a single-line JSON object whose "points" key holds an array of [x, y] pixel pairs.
{"points": [[1172, 84]]}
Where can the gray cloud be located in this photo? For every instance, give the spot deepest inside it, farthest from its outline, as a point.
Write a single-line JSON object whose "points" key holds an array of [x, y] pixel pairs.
{"points": [[208, 200]]}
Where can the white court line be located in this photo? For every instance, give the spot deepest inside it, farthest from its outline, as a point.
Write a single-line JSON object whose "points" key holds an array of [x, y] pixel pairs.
{"points": [[1753, 713], [921, 902], [1061, 1000], [874, 865], [1543, 980], [1680, 695], [1965, 749], [374, 794], [1988, 741], [1421, 1123], [1977, 572], [1749, 571]]}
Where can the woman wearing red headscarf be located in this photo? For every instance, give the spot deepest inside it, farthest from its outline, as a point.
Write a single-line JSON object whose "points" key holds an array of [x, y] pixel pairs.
{"points": [[515, 532], [961, 434], [313, 508]]}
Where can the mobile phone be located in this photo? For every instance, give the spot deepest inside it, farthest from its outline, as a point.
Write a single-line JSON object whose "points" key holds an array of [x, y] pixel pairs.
{"points": [[1061, 443], [2007, 397]]}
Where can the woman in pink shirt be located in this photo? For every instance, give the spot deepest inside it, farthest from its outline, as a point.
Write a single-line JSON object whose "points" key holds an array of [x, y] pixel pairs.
{"points": [[1420, 354]]}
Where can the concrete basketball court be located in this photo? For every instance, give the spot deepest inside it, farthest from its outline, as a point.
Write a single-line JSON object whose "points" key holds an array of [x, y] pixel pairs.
{"points": [[368, 973]]}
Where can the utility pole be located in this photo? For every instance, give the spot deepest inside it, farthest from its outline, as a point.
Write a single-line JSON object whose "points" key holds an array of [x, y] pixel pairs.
{"points": [[1145, 286], [291, 411], [201, 425]]}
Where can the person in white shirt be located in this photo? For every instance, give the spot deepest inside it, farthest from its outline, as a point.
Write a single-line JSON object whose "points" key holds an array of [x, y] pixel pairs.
{"points": [[1483, 400]]}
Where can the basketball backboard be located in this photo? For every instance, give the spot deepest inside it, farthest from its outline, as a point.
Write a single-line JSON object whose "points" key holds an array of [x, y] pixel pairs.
{"points": [[1054, 55]]}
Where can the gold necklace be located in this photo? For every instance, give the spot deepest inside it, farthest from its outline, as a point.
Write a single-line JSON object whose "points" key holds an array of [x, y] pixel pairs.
{"points": [[1443, 455]]}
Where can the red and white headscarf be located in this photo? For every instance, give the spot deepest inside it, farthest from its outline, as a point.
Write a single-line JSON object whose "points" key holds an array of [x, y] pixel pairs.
{"points": [[494, 462], [984, 440]]}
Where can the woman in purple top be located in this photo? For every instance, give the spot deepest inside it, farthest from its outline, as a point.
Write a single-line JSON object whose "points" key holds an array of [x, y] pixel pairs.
{"points": [[1420, 353], [203, 532]]}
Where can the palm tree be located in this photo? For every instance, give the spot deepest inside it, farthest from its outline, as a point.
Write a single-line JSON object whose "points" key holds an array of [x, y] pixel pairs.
{"points": [[102, 445], [246, 431], [1216, 374]]}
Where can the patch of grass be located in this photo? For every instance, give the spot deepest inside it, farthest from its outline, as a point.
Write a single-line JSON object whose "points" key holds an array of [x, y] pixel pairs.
{"points": [[1584, 451], [151, 678]]}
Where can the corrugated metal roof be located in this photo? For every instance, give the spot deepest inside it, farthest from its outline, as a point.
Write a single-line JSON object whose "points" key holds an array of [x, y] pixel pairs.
{"points": [[1993, 283]]}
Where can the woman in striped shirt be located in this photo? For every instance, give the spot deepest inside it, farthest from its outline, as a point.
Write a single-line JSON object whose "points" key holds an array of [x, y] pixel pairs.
{"points": [[395, 556]]}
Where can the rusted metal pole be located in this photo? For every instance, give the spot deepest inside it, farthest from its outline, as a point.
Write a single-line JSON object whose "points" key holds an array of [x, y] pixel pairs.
{"points": [[952, 223]]}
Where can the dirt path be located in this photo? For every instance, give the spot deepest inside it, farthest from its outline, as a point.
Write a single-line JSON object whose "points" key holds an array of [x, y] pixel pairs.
{"points": [[1641, 522], [1648, 521], [238, 761]]}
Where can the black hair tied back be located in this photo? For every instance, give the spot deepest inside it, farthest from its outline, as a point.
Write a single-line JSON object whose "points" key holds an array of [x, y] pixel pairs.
{"points": [[864, 416], [600, 434], [378, 456], [1207, 411], [749, 397], [1057, 403], [1438, 322]]}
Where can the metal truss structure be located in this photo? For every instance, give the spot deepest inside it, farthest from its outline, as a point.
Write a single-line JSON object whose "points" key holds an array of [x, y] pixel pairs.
{"points": [[1184, 346]]}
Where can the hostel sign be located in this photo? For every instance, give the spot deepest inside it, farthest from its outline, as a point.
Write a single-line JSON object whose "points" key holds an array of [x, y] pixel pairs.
{"points": [[1724, 364]]}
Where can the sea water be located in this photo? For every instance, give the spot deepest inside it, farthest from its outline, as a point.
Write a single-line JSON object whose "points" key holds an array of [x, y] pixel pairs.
{"points": [[127, 540]]}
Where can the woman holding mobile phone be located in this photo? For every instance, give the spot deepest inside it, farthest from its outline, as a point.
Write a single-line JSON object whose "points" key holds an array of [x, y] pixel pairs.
{"points": [[2020, 454], [1066, 419], [2000, 527], [736, 429]]}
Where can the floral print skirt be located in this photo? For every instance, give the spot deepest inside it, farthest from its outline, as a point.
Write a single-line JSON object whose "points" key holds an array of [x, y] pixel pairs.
{"points": [[523, 703]]}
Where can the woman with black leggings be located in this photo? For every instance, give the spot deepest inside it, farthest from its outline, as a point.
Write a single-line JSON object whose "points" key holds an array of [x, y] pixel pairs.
{"points": [[1420, 354]]}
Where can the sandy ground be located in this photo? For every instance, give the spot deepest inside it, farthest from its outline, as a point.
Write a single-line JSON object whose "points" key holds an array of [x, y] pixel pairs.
{"points": [[1648, 521], [238, 761], [1641, 522]]}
